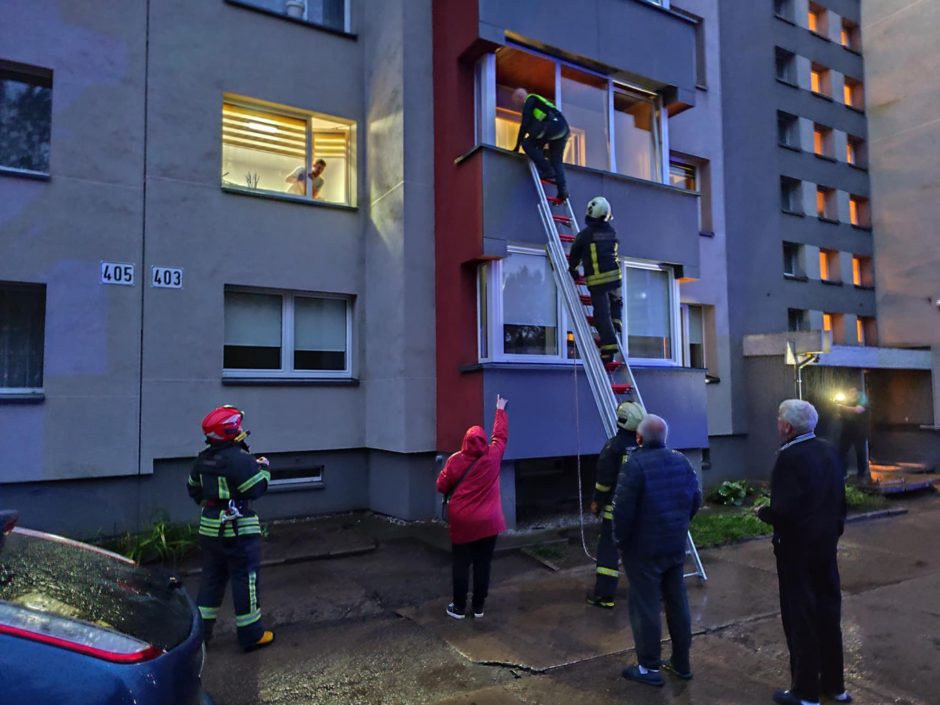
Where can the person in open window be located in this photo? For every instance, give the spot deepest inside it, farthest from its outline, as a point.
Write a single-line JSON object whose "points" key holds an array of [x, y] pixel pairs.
{"points": [[596, 248], [224, 480], [475, 512], [297, 180], [543, 128]]}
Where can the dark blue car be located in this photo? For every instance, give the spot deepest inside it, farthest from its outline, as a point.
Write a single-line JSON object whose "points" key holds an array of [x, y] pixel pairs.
{"points": [[84, 626]]}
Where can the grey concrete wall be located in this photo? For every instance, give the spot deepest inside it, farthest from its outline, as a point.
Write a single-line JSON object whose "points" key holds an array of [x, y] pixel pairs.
{"points": [[653, 221], [403, 485], [635, 37], [57, 231], [902, 71]]}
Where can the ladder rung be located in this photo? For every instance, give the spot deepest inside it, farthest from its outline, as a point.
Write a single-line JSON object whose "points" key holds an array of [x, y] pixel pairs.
{"points": [[613, 366], [565, 238], [621, 388], [564, 219], [547, 181], [580, 281], [586, 300], [590, 320], [555, 201]]}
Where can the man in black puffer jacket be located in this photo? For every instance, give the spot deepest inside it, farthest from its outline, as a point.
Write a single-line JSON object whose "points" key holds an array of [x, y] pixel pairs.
{"points": [[657, 495]]}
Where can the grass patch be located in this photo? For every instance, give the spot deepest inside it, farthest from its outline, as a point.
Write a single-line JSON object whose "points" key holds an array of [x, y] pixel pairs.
{"points": [[164, 542], [547, 551], [716, 527], [860, 501]]}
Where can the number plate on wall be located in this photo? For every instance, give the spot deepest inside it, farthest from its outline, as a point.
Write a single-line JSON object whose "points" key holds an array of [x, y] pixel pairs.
{"points": [[117, 273], [167, 278]]}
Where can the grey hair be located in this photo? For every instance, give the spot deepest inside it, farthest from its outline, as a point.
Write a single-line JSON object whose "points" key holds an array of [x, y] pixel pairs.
{"points": [[653, 428], [800, 414]]}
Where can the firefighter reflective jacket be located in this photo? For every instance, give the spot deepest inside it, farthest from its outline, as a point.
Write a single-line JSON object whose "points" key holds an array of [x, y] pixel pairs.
{"points": [[613, 455], [540, 119], [596, 248], [223, 472]]}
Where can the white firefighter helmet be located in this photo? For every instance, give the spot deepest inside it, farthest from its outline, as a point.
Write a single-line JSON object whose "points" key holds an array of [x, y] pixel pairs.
{"points": [[598, 207], [629, 415]]}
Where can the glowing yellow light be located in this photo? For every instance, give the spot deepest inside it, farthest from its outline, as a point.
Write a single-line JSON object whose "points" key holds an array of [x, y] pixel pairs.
{"points": [[840, 397]]}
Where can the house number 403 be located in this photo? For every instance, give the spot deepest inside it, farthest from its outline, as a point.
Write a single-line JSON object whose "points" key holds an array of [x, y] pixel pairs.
{"points": [[167, 278]]}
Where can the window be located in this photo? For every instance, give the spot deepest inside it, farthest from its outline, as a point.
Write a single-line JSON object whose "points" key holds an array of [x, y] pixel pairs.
{"points": [[270, 334], [302, 155], [785, 65], [819, 80], [833, 325], [682, 175], [522, 316], [694, 352], [850, 37], [784, 9], [866, 330], [862, 271], [797, 319], [822, 142], [817, 19], [22, 336], [792, 260], [328, 13], [829, 266], [855, 153], [826, 203], [296, 476], [700, 49], [788, 129], [613, 127], [25, 117], [853, 94], [791, 195], [859, 213]]}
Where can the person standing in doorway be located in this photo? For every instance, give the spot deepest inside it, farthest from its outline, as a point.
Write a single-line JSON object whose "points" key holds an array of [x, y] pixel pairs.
{"points": [[855, 418], [807, 511], [475, 512], [543, 128]]}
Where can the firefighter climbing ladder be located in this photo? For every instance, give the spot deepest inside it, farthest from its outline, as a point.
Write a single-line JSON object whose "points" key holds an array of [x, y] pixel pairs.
{"points": [[611, 382]]}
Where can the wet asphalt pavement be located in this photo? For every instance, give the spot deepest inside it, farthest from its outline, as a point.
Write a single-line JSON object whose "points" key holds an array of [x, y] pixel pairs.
{"points": [[370, 629]]}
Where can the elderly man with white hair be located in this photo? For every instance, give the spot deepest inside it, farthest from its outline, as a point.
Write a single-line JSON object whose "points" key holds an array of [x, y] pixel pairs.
{"points": [[657, 495], [807, 511]]}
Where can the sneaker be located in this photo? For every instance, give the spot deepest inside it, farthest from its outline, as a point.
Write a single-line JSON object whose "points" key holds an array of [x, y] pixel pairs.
{"points": [[842, 697], [605, 602], [478, 615], [266, 639], [452, 612], [788, 697], [669, 668], [651, 677]]}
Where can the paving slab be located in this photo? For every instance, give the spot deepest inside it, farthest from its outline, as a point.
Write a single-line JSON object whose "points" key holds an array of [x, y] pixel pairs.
{"points": [[546, 624]]}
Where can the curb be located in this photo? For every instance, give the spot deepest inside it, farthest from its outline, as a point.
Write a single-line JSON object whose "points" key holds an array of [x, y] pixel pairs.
{"points": [[302, 558], [867, 516]]}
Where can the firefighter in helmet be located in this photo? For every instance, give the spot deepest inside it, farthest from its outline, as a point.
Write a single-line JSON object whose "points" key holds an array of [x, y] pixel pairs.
{"points": [[615, 453], [596, 249], [224, 480]]}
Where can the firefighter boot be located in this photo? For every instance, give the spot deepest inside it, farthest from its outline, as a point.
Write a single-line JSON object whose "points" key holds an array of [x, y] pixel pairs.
{"points": [[266, 639]]}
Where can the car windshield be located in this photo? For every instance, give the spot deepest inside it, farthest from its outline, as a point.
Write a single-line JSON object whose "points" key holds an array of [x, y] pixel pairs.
{"points": [[63, 578]]}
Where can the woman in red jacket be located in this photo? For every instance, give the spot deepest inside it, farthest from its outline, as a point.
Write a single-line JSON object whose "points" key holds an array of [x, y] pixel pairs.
{"points": [[475, 511]]}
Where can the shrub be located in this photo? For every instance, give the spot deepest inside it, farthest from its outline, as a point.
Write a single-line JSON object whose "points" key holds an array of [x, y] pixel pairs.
{"points": [[731, 493], [163, 542]]}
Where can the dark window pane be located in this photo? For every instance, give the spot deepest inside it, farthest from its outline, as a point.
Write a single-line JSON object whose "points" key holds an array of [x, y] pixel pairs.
{"points": [[529, 340], [246, 357], [22, 326], [25, 117], [319, 360]]}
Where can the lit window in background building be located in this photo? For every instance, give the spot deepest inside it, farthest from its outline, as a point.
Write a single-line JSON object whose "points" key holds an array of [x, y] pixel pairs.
{"points": [[682, 175]]}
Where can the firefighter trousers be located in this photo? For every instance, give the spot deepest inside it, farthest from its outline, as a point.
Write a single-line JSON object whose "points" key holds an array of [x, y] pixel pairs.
{"points": [[608, 560], [608, 307], [237, 559]]}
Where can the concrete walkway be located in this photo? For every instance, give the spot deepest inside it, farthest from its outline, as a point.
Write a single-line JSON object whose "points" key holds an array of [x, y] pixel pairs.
{"points": [[371, 628]]}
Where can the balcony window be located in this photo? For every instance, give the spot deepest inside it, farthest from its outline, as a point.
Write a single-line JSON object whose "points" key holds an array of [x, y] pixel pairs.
{"points": [[833, 325], [816, 19], [819, 80], [853, 94], [855, 152], [283, 334], [682, 175], [826, 208], [694, 353], [862, 271], [859, 213], [788, 129], [613, 127], [25, 118], [866, 330], [791, 195], [326, 13], [785, 65], [850, 37], [522, 317], [829, 266], [302, 155], [823, 142], [22, 337], [792, 259]]}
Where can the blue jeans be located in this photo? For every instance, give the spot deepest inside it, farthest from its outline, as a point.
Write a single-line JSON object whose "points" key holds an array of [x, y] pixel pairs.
{"points": [[652, 579]]}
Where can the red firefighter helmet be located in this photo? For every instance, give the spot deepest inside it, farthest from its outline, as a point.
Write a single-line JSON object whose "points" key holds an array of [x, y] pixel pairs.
{"points": [[224, 423]]}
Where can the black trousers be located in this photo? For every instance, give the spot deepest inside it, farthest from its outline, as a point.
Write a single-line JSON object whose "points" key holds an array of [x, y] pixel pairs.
{"points": [[608, 560], [847, 439], [238, 559], [811, 611], [652, 580], [479, 554], [608, 308], [554, 141]]}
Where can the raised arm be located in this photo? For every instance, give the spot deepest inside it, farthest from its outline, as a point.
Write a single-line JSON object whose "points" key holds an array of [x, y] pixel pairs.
{"points": [[500, 426]]}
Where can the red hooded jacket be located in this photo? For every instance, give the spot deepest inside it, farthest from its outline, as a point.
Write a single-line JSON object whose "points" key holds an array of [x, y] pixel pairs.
{"points": [[475, 510]]}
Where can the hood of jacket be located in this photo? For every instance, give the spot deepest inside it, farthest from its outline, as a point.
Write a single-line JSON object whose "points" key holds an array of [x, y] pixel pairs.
{"points": [[474, 442]]}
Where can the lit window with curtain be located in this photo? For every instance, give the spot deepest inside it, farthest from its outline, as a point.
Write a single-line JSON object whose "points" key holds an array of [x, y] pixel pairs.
{"points": [[518, 69], [308, 156], [22, 336]]}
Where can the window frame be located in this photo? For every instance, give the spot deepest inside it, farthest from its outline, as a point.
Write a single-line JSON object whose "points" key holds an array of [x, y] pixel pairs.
{"points": [[492, 328], [36, 76], [345, 30], [38, 289], [485, 109], [287, 337], [263, 106]]}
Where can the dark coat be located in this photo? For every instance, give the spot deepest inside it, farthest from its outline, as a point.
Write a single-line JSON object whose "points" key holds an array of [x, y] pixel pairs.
{"points": [[596, 247], [612, 457], [807, 495], [657, 496], [223, 472]]}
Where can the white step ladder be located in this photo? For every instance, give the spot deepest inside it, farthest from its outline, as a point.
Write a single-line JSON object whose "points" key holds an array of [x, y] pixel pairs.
{"points": [[613, 382]]}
